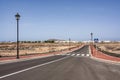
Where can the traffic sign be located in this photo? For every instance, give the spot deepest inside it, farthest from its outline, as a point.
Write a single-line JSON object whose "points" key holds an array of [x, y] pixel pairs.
{"points": [[96, 40]]}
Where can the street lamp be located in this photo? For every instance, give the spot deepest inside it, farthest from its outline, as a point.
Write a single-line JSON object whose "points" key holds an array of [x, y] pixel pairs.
{"points": [[17, 16], [91, 42], [91, 36]]}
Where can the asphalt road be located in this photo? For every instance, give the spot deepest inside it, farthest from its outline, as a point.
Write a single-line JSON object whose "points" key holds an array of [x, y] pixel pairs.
{"points": [[77, 65]]}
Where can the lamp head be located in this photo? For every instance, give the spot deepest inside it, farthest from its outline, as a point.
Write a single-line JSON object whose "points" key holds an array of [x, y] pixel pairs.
{"points": [[17, 16]]}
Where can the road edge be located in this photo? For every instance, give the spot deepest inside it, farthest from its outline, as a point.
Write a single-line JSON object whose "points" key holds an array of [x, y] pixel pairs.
{"points": [[102, 60]]}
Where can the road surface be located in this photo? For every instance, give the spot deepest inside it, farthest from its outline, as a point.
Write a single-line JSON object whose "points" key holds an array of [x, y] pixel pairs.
{"points": [[77, 65]]}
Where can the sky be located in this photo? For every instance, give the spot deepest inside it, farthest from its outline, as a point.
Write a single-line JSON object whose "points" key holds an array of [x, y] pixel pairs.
{"points": [[60, 19]]}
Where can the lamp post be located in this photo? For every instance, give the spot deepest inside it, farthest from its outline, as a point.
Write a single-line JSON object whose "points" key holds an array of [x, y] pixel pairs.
{"points": [[91, 37], [17, 16], [69, 43], [91, 42]]}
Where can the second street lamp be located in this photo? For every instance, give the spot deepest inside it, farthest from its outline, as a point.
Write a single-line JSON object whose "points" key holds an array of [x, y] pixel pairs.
{"points": [[17, 16], [91, 37]]}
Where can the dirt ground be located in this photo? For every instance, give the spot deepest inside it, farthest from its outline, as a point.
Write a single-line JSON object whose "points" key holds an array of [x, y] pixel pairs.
{"points": [[110, 47], [9, 49]]}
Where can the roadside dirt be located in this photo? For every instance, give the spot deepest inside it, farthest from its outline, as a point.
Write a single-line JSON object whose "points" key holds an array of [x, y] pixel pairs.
{"points": [[9, 49], [110, 47], [4, 59]]}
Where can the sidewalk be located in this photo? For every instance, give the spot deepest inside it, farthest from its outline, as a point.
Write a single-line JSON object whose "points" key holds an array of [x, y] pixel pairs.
{"points": [[101, 55]]}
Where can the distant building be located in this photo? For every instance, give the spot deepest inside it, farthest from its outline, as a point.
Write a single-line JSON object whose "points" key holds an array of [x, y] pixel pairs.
{"points": [[61, 41], [107, 41]]}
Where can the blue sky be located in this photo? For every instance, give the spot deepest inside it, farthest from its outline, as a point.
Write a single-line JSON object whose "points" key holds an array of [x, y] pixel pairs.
{"points": [[60, 19]]}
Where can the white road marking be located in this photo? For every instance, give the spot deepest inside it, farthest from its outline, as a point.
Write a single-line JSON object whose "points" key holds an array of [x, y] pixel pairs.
{"points": [[72, 54], [1, 77], [88, 55], [77, 54], [83, 55]]}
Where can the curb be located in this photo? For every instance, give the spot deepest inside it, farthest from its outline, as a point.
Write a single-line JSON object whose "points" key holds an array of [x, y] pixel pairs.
{"points": [[23, 59], [101, 59], [12, 60]]}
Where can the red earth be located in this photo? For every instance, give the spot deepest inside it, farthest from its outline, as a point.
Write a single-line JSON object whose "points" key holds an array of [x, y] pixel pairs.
{"points": [[101, 55]]}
